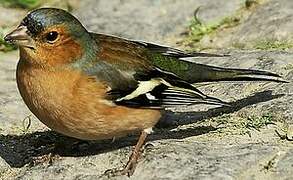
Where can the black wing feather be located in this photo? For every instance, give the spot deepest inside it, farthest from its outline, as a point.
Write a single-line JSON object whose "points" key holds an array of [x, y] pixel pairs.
{"points": [[164, 96]]}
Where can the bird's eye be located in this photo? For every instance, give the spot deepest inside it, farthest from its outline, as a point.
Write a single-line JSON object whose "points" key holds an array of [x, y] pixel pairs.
{"points": [[52, 36]]}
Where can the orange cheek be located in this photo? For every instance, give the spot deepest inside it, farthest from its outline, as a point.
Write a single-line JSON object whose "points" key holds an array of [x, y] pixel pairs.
{"points": [[61, 54]]}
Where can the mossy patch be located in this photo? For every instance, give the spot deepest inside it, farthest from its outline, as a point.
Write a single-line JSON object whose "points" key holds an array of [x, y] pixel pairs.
{"points": [[288, 67], [257, 122], [32, 4], [273, 45], [25, 4], [198, 29], [243, 123]]}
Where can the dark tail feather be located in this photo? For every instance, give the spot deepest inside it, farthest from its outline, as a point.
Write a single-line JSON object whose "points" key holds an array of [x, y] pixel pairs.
{"points": [[205, 73]]}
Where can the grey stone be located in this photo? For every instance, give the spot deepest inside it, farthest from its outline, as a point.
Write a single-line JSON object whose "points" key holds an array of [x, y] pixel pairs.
{"points": [[271, 21], [151, 20], [10, 17]]}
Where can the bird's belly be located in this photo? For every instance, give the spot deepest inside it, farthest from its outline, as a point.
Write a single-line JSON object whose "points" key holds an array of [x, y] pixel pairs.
{"points": [[75, 106]]}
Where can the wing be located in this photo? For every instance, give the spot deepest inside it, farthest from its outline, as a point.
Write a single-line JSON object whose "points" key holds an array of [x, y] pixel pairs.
{"points": [[134, 80], [128, 58], [128, 54], [158, 93]]}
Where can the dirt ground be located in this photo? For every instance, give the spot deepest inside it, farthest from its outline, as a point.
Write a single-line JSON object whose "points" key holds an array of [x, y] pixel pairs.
{"points": [[250, 140]]}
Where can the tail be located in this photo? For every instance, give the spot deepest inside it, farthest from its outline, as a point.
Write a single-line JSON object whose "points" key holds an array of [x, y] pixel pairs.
{"points": [[171, 60], [194, 72], [205, 73]]}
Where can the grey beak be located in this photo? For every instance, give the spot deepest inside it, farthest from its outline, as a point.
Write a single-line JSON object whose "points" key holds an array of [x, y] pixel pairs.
{"points": [[20, 37], [18, 34]]}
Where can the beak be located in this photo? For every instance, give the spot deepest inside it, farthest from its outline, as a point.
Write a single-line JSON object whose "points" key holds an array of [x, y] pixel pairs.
{"points": [[20, 37]]}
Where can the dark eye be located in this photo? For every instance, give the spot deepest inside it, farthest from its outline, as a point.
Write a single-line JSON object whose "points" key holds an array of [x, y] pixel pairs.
{"points": [[52, 36]]}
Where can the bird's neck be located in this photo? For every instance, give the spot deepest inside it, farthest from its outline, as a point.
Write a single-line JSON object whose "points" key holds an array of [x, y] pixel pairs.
{"points": [[89, 55]]}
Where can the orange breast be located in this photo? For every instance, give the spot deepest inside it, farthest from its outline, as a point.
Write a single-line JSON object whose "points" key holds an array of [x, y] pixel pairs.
{"points": [[73, 104]]}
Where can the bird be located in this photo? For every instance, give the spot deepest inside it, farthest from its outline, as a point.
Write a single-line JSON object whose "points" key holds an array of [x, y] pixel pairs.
{"points": [[93, 86]]}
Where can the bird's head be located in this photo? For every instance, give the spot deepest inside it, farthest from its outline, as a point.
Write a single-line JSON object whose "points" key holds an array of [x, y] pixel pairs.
{"points": [[50, 36]]}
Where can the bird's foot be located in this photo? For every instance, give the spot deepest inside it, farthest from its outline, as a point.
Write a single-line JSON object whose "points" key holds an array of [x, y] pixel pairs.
{"points": [[128, 170], [132, 162]]}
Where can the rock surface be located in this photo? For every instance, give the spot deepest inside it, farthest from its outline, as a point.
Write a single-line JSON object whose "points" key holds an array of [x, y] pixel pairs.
{"points": [[153, 20], [271, 21], [208, 144]]}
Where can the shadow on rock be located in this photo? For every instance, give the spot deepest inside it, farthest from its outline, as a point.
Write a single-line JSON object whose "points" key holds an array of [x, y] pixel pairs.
{"points": [[173, 119], [20, 150]]}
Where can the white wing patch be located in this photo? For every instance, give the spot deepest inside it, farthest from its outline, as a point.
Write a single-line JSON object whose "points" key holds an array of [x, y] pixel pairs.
{"points": [[143, 88], [150, 96], [157, 92]]}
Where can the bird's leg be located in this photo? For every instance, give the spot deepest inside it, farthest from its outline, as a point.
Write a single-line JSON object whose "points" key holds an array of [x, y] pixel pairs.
{"points": [[132, 162], [136, 152]]}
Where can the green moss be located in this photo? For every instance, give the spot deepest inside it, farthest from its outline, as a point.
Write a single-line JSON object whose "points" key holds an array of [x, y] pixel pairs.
{"points": [[229, 22], [4, 46], [197, 29], [289, 67], [273, 44], [26, 4], [257, 122], [232, 124]]}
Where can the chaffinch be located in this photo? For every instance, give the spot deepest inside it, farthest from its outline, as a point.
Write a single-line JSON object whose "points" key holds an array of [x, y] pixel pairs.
{"points": [[94, 86]]}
